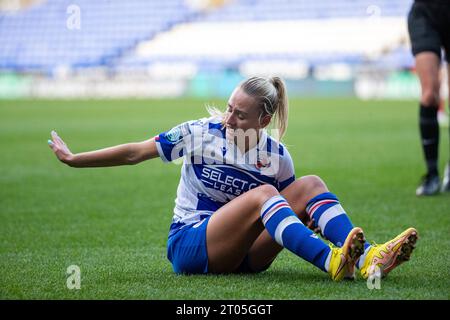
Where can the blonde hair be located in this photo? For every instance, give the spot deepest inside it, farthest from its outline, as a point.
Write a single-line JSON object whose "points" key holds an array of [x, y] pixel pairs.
{"points": [[270, 96]]}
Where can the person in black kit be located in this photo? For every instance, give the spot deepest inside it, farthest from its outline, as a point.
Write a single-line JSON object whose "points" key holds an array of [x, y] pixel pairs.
{"points": [[429, 31]]}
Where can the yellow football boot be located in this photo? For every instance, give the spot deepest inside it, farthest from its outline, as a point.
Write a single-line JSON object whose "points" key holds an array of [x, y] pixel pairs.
{"points": [[342, 261], [391, 254]]}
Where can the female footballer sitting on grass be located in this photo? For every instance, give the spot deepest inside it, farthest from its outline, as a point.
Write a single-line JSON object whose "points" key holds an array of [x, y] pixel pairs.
{"points": [[238, 203]]}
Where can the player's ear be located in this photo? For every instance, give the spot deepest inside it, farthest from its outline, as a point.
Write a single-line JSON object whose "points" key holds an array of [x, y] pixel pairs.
{"points": [[265, 120]]}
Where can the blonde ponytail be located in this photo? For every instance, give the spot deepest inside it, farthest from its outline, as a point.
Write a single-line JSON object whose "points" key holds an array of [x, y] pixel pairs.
{"points": [[282, 108], [271, 97]]}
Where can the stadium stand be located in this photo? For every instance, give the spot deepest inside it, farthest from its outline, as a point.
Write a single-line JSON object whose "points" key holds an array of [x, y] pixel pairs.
{"points": [[184, 39], [41, 37], [289, 30]]}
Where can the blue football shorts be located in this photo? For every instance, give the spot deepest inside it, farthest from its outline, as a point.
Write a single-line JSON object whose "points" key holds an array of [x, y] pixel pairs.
{"points": [[187, 251]]}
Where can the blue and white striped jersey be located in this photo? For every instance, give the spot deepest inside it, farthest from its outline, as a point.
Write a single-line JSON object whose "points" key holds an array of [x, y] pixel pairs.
{"points": [[215, 171]]}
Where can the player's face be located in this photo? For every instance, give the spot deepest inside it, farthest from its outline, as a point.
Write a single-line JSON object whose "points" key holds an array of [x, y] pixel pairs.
{"points": [[242, 112], [243, 117]]}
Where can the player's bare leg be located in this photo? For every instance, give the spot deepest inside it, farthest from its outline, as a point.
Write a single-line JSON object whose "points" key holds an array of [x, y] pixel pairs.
{"points": [[264, 250], [427, 66], [234, 227]]}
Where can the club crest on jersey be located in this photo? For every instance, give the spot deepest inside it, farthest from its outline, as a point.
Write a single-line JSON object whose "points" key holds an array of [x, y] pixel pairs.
{"points": [[262, 162], [174, 134]]}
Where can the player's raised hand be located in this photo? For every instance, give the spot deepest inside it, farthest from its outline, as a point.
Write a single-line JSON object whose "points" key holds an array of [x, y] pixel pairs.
{"points": [[60, 148]]}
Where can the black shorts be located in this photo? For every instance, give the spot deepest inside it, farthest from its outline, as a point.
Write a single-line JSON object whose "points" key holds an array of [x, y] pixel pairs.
{"points": [[429, 27]]}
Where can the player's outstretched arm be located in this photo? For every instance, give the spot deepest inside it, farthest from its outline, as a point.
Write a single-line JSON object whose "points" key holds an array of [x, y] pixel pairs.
{"points": [[124, 154]]}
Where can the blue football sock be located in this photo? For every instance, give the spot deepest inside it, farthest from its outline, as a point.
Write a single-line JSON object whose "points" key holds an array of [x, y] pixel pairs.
{"points": [[288, 231], [329, 215]]}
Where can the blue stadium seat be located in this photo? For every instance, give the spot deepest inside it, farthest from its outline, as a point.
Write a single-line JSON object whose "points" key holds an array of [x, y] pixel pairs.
{"points": [[38, 37]]}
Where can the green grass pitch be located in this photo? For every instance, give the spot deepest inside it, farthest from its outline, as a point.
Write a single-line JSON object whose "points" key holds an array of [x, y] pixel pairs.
{"points": [[113, 222]]}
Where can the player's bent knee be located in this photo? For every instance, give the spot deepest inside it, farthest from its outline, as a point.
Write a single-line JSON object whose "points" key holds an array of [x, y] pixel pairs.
{"points": [[264, 193], [312, 182], [430, 98]]}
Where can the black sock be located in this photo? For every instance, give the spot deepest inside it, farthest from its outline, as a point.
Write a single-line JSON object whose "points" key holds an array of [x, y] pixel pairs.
{"points": [[429, 132]]}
